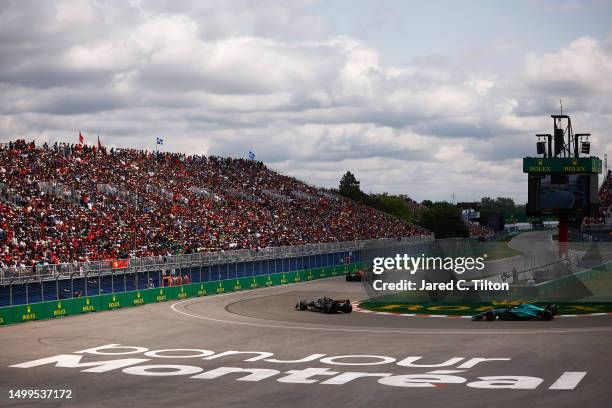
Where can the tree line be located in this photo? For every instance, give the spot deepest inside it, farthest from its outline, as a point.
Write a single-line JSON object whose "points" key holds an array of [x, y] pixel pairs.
{"points": [[441, 218]]}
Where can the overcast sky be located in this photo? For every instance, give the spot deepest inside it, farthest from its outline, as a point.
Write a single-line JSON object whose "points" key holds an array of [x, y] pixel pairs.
{"points": [[426, 98]]}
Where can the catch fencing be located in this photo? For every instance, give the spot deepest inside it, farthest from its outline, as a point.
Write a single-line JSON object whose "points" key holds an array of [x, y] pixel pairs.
{"points": [[59, 282]]}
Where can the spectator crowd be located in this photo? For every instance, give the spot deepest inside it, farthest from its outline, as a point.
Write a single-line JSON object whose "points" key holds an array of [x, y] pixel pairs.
{"points": [[605, 197], [477, 230], [77, 203], [605, 191]]}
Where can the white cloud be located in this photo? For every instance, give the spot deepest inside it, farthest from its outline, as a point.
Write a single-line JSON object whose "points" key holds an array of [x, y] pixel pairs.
{"points": [[222, 77], [583, 67]]}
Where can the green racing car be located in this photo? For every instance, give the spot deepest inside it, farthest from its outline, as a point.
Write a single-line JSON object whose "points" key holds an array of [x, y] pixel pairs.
{"points": [[522, 311]]}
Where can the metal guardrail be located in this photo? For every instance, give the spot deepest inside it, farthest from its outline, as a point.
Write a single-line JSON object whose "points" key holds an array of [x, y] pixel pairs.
{"points": [[14, 275]]}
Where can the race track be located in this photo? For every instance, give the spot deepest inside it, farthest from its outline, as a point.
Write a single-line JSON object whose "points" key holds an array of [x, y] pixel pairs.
{"points": [[536, 246], [263, 320]]}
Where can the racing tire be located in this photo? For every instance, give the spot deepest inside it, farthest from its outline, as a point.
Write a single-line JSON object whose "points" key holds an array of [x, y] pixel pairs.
{"points": [[552, 309], [546, 315], [303, 306], [490, 316]]}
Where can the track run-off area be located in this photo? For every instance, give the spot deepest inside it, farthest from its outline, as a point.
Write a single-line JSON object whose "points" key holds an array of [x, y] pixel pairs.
{"points": [[252, 348]]}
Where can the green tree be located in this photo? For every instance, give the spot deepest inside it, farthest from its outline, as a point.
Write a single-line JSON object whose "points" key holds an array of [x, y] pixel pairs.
{"points": [[444, 220], [398, 206], [500, 204], [505, 204], [350, 186], [487, 202], [428, 203]]}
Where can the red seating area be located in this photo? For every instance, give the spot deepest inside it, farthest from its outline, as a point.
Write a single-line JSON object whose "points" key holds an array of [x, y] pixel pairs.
{"points": [[67, 203]]}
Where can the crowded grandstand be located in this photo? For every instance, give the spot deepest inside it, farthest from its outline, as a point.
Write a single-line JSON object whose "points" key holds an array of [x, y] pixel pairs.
{"points": [[477, 230], [600, 228], [605, 194], [78, 203]]}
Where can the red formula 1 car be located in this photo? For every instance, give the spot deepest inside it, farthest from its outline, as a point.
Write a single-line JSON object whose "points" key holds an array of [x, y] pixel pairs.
{"points": [[357, 276]]}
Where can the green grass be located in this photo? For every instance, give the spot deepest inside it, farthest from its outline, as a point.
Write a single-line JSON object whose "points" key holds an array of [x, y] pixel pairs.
{"points": [[466, 309], [600, 286], [494, 250], [506, 238], [596, 297], [498, 249]]}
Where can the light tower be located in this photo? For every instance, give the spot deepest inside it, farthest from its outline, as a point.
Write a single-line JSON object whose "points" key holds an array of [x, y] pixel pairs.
{"points": [[560, 182]]}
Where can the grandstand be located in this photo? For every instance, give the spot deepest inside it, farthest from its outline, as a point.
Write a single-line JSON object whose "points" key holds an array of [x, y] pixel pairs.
{"points": [[479, 231], [77, 203], [600, 228]]}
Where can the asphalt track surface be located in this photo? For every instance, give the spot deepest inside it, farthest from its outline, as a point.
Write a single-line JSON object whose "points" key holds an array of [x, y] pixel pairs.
{"points": [[536, 245], [264, 320]]}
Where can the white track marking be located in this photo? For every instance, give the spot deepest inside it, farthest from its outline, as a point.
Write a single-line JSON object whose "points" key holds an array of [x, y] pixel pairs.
{"points": [[568, 381], [346, 330]]}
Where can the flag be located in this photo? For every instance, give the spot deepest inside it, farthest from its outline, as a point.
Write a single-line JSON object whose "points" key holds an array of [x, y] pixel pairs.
{"points": [[160, 141], [81, 139], [251, 155], [120, 263], [99, 144]]}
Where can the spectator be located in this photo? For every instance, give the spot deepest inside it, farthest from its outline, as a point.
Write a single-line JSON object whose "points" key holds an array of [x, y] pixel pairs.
{"points": [[66, 204]]}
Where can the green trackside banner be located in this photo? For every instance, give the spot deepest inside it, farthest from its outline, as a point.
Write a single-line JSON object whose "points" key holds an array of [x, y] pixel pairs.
{"points": [[28, 313], [111, 301], [6, 315], [250, 283], [86, 304], [159, 294], [276, 279], [140, 297], [199, 289], [206, 288], [561, 165], [284, 278], [184, 292], [59, 308]]}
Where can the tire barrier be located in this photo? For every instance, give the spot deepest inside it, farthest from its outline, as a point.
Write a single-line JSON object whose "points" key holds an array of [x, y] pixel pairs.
{"points": [[89, 304]]}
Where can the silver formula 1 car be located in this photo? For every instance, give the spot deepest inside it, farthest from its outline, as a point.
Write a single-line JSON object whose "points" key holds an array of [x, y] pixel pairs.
{"points": [[325, 305]]}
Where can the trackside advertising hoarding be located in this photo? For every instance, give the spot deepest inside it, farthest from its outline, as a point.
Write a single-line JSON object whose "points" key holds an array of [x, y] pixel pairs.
{"points": [[111, 301]]}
